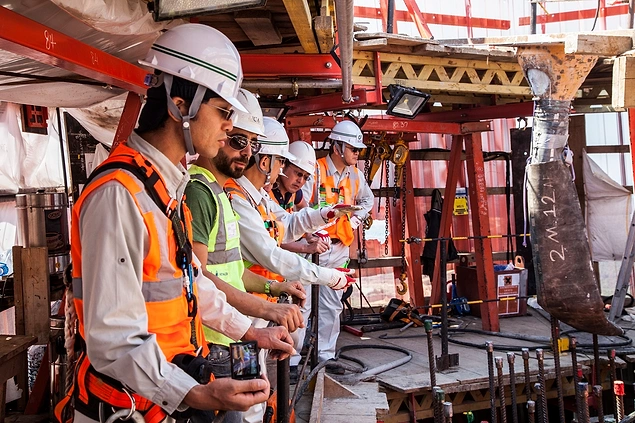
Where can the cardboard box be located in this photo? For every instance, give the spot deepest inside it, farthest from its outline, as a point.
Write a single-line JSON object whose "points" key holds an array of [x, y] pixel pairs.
{"points": [[510, 283]]}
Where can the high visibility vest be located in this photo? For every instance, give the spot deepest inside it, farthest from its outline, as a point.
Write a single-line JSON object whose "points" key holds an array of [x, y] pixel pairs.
{"points": [[166, 300], [273, 227], [223, 248], [328, 192]]}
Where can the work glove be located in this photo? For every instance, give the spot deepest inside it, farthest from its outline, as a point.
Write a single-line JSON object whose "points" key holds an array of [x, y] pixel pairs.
{"points": [[323, 236], [341, 278], [338, 210], [355, 222]]}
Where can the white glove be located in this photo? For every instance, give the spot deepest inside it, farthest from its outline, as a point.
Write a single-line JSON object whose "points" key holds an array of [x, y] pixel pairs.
{"points": [[355, 222], [341, 278], [323, 235], [338, 210]]}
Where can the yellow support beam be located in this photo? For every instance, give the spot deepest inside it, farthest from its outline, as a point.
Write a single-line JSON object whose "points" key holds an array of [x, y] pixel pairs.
{"points": [[300, 16]]}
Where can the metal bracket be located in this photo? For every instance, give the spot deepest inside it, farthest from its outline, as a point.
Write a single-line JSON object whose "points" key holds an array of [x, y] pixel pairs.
{"points": [[446, 361]]}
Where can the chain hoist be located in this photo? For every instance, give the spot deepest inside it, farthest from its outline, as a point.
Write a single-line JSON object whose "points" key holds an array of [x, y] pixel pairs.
{"points": [[403, 288], [386, 202]]}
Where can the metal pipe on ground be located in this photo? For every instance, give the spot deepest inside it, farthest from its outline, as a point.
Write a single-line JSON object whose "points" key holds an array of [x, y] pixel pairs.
{"points": [[559, 242], [344, 20], [492, 384], [511, 357], [501, 389]]}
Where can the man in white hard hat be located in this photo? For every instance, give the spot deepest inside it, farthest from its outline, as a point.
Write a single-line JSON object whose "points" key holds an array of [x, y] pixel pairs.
{"points": [[139, 297], [337, 180], [217, 237]]}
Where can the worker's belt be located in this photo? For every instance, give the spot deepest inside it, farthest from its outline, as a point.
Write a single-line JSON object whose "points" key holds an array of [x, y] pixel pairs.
{"points": [[335, 241]]}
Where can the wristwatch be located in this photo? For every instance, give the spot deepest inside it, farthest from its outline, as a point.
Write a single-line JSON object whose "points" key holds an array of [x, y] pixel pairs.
{"points": [[268, 287]]}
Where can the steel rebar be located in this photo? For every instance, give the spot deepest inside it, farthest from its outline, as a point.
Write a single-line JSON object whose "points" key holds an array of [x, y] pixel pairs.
{"points": [[541, 380], [542, 411], [501, 389], [433, 369], [596, 361], [447, 411], [511, 358], [492, 384], [525, 354], [612, 373], [597, 393], [573, 348], [555, 335], [438, 399], [531, 411], [618, 388], [583, 387]]}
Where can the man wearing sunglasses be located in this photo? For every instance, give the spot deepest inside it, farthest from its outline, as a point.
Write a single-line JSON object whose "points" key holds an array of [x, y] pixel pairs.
{"points": [[338, 180]]}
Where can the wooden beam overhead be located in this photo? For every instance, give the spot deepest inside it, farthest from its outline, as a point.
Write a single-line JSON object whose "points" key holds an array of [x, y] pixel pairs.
{"points": [[259, 27], [300, 16], [623, 95], [325, 27]]}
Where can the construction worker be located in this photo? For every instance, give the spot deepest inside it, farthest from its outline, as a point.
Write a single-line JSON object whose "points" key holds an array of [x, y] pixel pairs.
{"points": [[217, 237], [264, 225], [337, 180], [139, 297]]}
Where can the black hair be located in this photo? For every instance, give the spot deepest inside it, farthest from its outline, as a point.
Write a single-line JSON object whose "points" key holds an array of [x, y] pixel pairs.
{"points": [[155, 111], [252, 161]]}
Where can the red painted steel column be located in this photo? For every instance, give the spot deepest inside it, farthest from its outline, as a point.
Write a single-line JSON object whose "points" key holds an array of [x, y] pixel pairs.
{"points": [[631, 136], [480, 224], [454, 169], [128, 119], [414, 250]]}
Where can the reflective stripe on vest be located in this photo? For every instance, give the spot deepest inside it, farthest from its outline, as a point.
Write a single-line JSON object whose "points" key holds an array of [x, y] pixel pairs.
{"points": [[223, 248], [162, 287], [273, 227], [327, 192]]}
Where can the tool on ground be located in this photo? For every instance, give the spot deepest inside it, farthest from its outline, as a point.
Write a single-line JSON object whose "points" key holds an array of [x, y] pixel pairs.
{"points": [[555, 336], [399, 310], [597, 393], [447, 411], [458, 305], [406, 327], [525, 354], [583, 387], [543, 387], [511, 357], [353, 330], [501, 388], [618, 388], [531, 411], [573, 349], [489, 346]]}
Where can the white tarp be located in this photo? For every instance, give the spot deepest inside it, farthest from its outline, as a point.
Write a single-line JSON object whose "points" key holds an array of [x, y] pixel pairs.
{"points": [[28, 160], [608, 212]]}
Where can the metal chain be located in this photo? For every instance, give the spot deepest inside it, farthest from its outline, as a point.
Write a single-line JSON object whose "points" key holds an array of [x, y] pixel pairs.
{"points": [[403, 219], [394, 178], [386, 204]]}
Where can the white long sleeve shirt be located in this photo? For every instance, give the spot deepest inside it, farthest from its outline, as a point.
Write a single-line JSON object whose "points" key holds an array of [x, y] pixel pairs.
{"points": [[114, 242], [258, 247]]}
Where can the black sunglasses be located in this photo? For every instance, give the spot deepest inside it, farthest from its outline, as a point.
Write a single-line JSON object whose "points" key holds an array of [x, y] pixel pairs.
{"points": [[225, 113], [354, 149], [240, 142]]}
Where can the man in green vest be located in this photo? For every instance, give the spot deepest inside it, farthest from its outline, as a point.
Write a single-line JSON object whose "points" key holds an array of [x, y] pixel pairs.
{"points": [[217, 238]]}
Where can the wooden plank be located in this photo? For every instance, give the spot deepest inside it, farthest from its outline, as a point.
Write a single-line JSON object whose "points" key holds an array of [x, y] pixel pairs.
{"points": [[395, 39], [325, 32], [300, 16], [318, 398], [33, 308], [623, 90], [259, 27]]}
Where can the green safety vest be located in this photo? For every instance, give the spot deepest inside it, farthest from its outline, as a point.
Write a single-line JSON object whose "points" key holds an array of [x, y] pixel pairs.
{"points": [[224, 258]]}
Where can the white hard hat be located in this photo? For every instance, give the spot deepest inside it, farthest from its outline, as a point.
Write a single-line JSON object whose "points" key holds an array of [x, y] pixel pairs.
{"points": [[276, 141], [304, 156], [252, 120], [348, 132], [200, 54]]}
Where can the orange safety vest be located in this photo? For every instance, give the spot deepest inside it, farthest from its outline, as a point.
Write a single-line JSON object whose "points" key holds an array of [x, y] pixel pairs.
{"points": [[273, 227], [169, 311], [327, 192]]}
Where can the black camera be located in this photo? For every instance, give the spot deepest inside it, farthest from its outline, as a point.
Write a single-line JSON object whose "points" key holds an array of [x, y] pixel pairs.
{"points": [[244, 360]]}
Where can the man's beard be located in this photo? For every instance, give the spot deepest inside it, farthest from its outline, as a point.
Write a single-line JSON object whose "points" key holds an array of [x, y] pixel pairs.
{"points": [[224, 164]]}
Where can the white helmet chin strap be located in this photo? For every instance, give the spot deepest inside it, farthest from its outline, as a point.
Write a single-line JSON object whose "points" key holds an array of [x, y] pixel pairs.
{"points": [[185, 120]]}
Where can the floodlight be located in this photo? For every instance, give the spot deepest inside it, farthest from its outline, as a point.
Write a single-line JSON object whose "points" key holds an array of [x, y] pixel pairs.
{"points": [[171, 9], [405, 102]]}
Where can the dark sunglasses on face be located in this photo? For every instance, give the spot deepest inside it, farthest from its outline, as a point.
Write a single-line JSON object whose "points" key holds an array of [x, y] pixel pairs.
{"points": [[240, 142], [226, 114], [354, 149]]}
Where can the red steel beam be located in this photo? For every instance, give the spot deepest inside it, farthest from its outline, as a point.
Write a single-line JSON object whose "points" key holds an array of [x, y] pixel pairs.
{"points": [[383, 123], [435, 18], [413, 250], [480, 226], [575, 15], [513, 110], [289, 65], [25, 37], [329, 102], [128, 119]]}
